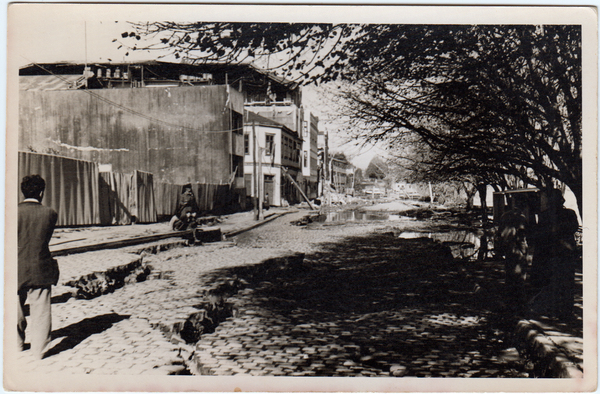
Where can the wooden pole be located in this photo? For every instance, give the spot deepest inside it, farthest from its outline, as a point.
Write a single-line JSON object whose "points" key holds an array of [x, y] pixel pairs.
{"points": [[298, 187], [260, 185], [255, 172]]}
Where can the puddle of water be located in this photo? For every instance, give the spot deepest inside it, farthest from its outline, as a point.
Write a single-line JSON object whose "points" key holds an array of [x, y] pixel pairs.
{"points": [[356, 216], [462, 243]]}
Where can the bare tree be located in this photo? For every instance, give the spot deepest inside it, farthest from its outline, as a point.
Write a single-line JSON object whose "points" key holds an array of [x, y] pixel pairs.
{"points": [[501, 99]]}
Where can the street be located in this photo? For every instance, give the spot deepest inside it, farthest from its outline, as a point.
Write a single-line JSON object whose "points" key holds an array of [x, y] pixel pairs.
{"points": [[325, 299], [361, 303]]}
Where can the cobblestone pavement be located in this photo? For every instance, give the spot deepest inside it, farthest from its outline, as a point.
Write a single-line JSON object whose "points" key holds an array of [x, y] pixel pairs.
{"points": [[355, 305], [366, 306], [128, 331]]}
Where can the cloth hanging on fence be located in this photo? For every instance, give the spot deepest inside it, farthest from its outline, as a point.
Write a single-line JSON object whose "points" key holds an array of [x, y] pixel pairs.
{"points": [[166, 196], [116, 190], [143, 203], [72, 186], [127, 196]]}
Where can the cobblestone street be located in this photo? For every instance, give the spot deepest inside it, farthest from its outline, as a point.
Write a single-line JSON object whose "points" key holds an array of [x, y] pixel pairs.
{"points": [[368, 305], [286, 300]]}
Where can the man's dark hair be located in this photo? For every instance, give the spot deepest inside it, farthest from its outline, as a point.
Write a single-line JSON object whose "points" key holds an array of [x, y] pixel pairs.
{"points": [[32, 186]]}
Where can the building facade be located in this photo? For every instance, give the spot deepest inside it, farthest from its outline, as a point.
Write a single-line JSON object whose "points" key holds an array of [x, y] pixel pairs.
{"points": [[173, 121], [310, 157], [271, 150], [342, 174], [179, 132], [323, 170]]}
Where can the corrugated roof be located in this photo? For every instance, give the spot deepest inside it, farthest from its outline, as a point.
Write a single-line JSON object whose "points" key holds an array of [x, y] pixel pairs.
{"points": [[33, 68], [47, 82]]}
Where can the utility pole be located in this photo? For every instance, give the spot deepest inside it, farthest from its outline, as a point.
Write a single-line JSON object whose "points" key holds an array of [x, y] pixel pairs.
{"points": [[254, 170], [257, 167], [260, 185]]}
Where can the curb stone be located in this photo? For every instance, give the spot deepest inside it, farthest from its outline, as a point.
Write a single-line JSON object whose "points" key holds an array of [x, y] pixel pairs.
{"points": [[550, 359]]}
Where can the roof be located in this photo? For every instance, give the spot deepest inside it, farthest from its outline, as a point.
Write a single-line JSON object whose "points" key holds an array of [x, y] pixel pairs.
{"points": [[259, 120], [48, 82], [236, 70]]}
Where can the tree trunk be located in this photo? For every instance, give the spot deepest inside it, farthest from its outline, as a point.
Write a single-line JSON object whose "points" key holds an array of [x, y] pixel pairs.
{"points": [[470, 191], [482, 189], [578, 192]]}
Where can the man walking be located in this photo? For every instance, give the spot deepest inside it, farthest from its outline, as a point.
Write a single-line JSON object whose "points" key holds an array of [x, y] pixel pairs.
{"points": [[37, 270]]}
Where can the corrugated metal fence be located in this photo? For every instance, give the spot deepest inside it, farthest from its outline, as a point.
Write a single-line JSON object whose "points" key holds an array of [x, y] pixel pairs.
{"points": [[84, 196]]}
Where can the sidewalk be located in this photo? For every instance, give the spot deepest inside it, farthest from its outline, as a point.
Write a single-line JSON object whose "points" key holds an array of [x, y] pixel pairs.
{"points": [[139, 329], [65, 238]]}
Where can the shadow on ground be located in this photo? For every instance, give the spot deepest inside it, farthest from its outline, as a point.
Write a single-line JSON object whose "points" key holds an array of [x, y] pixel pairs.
{"points": [[76, 333], [395, 304]]}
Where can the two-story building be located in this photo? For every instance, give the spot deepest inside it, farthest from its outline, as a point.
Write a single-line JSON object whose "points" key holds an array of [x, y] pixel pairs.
{"points": [[179, 123], [342, 174], [323, 176], [310, 156], [280, 101], [271, 150]]}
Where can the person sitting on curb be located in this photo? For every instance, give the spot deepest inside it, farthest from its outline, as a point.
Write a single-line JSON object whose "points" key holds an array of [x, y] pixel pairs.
{"points": [[186, 221]]}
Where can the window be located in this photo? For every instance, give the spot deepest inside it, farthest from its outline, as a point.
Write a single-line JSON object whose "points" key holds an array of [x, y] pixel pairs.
{"points": [[269, 144], [246, 144], [305, 159]]}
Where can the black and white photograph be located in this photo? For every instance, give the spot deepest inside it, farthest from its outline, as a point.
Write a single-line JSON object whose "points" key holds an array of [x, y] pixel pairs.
{"points": [[287, 198]]}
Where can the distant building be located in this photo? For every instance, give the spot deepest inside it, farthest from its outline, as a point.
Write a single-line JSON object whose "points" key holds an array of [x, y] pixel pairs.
{"points": [[342, 174], [270, 150], [323, 161], [310, 157]]}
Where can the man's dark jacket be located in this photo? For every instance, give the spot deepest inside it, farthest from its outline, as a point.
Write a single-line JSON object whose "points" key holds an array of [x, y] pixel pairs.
{"points": [[36, 225]]}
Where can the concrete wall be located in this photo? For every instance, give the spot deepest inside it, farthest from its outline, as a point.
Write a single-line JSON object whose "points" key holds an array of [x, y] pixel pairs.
{"points": [[176, 133]]}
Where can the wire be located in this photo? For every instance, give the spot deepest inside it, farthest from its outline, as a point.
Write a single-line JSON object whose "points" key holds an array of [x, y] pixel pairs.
{"points": [[137, 113]]}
